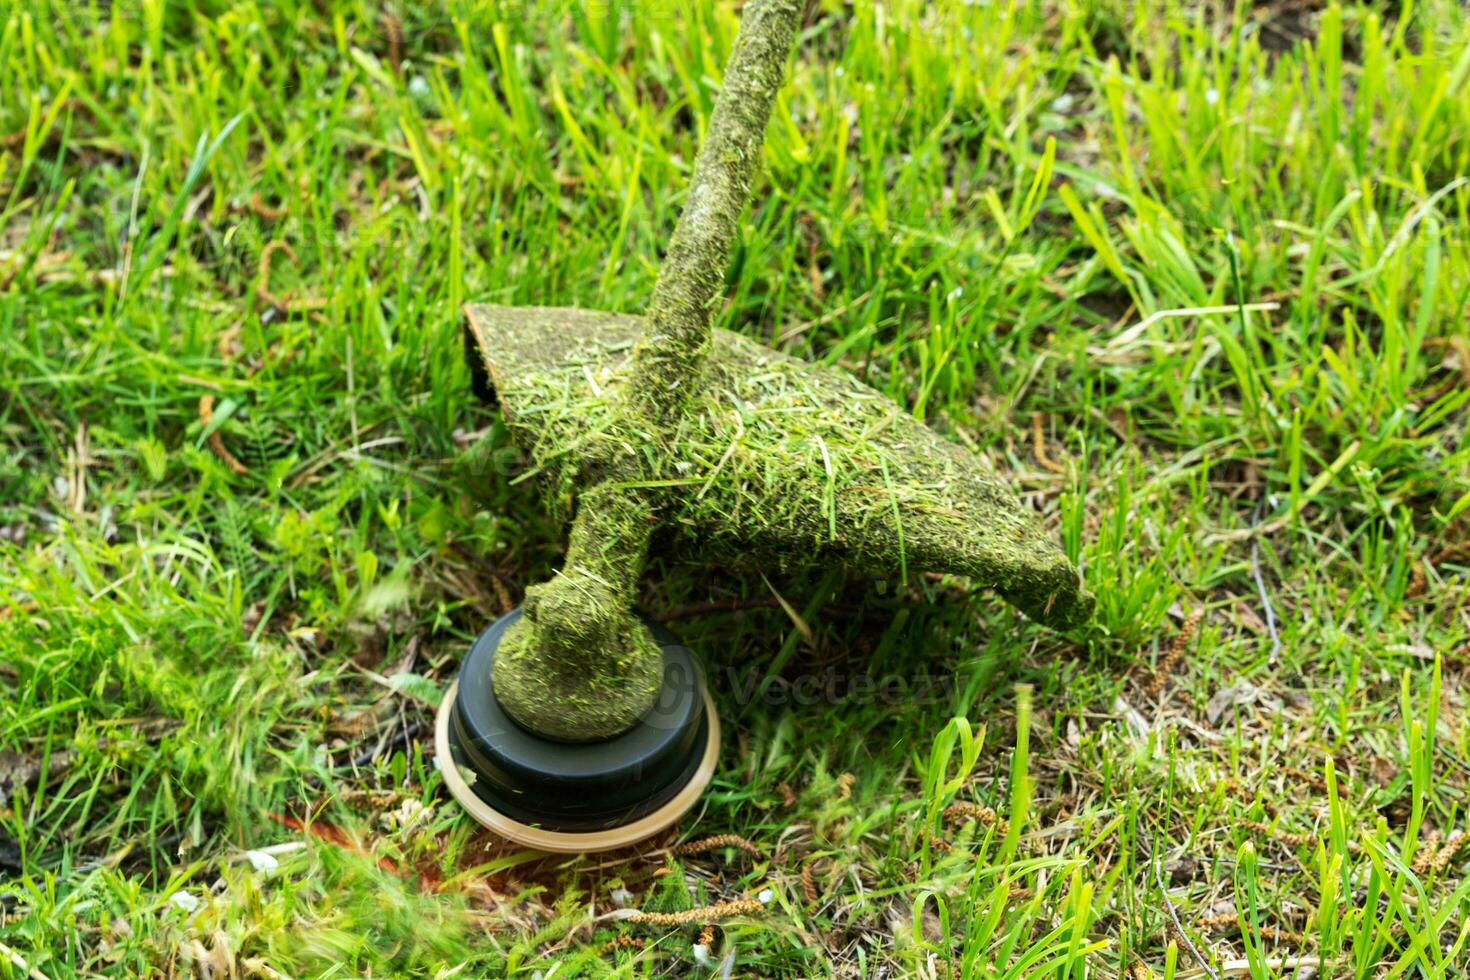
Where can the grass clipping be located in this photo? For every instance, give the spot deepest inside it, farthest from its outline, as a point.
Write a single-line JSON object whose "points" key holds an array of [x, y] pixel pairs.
{"points": [[775, 462]]}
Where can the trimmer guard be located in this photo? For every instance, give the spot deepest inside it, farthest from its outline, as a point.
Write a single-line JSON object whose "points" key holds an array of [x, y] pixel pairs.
{"points": [[778, 462]]}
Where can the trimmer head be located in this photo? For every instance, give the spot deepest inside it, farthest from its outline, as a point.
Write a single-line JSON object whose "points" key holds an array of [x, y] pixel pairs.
{"points": [[577, 798]]}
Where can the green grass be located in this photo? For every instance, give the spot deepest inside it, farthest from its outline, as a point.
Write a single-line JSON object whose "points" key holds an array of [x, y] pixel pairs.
{"points": [[191, 658]]}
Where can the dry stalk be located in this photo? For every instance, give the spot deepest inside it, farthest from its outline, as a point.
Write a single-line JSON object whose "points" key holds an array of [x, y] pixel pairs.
{"points": [[1461, 349], [1174, 928], [282, 304], [1175, 653], [1282, 836], [719, 910], [1038, 447], [808, 886], [1418, 580], [623, 942], [1314, 782], [393, 27], [1440, 859], [1450, 552], [959, 812], [1261, 591], [1247, 796], [216, 441], [1231, 923], [265, 211], [714, 843], [502, 595]]}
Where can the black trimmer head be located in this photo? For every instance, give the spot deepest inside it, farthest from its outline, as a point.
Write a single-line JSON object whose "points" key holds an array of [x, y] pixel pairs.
{"points": [[577, 798]]}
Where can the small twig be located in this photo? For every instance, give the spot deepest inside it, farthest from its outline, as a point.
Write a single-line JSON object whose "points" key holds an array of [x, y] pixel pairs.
{"points": [[1261, 586], [1157, 861], [1038, 447]]}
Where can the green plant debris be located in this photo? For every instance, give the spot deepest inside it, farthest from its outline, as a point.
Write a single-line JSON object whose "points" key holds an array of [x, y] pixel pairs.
{"points": [[761, 450]]}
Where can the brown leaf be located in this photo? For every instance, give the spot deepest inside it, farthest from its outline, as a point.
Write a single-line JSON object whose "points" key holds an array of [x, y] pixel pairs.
{"points": [[1237, 694], [18, 770]]}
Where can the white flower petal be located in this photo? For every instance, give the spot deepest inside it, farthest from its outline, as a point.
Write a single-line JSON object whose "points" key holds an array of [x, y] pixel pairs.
{"points": [[261, 861], [185, 900]]}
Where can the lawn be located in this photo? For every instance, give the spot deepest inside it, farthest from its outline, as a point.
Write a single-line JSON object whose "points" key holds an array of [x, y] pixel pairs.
{"points": [[1197, 276]]}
